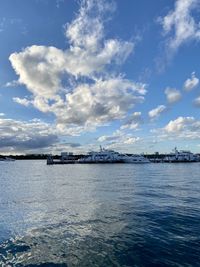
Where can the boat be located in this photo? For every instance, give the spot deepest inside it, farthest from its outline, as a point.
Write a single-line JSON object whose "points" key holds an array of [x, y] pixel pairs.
{"points": [[135, 159], [102, 156], [181, 156], [111, 156]]}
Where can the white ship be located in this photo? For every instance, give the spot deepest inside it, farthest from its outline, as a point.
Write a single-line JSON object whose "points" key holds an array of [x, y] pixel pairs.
{"points": [[181, 156], [111, 156], [135, 159]]}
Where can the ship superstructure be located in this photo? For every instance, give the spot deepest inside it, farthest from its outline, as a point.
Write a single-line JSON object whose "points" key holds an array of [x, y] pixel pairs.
{"points": [[181, 156]]}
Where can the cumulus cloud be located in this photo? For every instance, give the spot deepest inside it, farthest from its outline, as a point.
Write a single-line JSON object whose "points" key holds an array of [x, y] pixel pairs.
{"points": [[108, 138], [100, 102], [39, 68], [90, 105], [22, 101], [20, 136], [133, 122], [180, 128], [173, 95], [103, 96], [191, 83], [180, 25], [156, 112], [179, 124], [131, 140], [118, 139]]}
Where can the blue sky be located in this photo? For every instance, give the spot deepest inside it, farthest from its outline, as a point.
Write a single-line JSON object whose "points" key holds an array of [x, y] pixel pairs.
{"points": [[78, 74]]}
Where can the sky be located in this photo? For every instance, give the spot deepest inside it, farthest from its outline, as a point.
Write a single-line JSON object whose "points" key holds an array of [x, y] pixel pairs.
{"points": [[77, 74]]}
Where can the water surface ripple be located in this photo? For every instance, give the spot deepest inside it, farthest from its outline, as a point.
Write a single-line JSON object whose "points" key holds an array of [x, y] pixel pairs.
{"points": [[99, 215]]}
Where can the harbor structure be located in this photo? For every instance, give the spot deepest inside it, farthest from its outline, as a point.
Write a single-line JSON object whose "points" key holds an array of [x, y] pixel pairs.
{"points": [[111, 156]]}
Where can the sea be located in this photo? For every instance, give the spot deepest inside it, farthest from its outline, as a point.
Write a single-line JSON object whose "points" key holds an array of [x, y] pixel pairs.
{"points": [[99, 214]]}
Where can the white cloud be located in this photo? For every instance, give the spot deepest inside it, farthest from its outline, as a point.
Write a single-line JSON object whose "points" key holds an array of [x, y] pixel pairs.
{"points": [[90, 105], [12, 84], [179, 124], [86, 31], [22, 101], [118, 139], [180, 128], [39, 68], [33, 136], [108, 138], [180, 25], [100, 102], [156, 112], [80, 106], [131, 140], [191, 83], [133, 122], [25, 136], [173, 95]]}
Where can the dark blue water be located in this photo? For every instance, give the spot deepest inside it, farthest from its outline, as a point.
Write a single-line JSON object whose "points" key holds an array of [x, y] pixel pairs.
{"points": [[99, 215]]}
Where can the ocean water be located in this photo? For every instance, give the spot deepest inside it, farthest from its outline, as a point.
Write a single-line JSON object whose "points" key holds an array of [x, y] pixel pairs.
{"points": [[99, 215]]}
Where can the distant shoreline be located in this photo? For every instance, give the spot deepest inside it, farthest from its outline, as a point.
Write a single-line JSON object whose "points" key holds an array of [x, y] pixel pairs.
{"points": [[78, 156]]}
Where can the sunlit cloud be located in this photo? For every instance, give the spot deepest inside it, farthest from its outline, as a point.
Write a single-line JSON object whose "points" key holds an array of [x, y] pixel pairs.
{"points": [[156, 112], [103, 96], [179, 25], [25, 135], [180, 128], [173, 95], [191, 83]]}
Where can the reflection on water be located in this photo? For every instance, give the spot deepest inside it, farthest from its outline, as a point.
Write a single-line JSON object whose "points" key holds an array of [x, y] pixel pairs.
{"points": [[99, 215]]}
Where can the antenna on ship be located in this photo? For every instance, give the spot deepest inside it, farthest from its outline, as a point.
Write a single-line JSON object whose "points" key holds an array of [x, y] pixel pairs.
{"points": [[101, 148]]}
